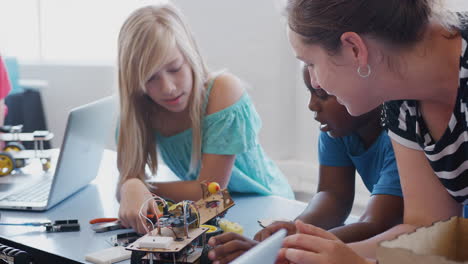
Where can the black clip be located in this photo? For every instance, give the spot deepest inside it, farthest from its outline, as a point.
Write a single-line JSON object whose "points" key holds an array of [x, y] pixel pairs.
{"points": [[124, 239], [63, 226], [13, 255]]}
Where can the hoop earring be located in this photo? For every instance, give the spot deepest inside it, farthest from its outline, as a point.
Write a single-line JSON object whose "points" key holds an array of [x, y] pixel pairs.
{"points": [[364, 75]]}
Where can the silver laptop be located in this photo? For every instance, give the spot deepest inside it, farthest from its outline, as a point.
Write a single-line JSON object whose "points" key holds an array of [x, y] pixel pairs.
{"points": [[87, 132], [265, 252]]}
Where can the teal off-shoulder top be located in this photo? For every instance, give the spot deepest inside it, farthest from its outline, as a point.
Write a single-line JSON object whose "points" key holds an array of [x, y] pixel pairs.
{"points": [[231, 131]]}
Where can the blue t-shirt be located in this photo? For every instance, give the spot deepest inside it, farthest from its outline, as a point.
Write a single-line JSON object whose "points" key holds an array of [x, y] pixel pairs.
{"points": [[376, 165]]}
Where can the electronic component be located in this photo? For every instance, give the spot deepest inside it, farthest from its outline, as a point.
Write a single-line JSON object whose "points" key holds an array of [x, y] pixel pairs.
{"points": [[212, 231], [177, 236], [178, 221], [151, 242], [213, 187], [228, 226], [212, 204], [57, 226], [109, 255], [63, 226], [124, 239]]}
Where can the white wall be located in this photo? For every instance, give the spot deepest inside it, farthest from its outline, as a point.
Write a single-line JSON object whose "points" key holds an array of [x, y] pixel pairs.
{"points": [[69, 86], [458, 5], [252, 45]]}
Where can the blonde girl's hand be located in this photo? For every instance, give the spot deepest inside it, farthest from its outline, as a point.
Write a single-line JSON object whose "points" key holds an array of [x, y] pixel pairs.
{"points": [[313, 245], [134, 195]]}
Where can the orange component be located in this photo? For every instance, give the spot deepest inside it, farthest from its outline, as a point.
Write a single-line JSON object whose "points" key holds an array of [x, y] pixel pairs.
{"points": [[213, 187], [151, 216], [102, 220], [107, 220]]}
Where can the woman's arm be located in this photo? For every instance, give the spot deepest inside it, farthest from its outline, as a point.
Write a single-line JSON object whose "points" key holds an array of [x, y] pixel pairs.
{"points": [[425, 201], [425, 198]]}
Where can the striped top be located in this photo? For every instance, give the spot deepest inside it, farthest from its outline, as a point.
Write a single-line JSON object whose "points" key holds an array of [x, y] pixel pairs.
{"points": [[448, 156]]}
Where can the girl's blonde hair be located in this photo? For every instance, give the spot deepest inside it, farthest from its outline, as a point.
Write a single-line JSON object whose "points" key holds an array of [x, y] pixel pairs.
{"points": [[144, 41]]}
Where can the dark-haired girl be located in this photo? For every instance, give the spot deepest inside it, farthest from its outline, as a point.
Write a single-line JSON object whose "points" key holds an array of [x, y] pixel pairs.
{"points": [[412, 56]]}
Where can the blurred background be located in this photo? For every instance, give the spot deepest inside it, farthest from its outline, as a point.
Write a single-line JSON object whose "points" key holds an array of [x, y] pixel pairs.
{"points": [[65, 50]]}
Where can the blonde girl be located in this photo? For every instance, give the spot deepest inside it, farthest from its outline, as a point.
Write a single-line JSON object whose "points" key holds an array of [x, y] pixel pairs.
{"points": [[204, 125]]}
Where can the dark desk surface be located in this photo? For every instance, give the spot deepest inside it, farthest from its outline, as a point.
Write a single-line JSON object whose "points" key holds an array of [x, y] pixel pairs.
{"points": [[98, 200]]}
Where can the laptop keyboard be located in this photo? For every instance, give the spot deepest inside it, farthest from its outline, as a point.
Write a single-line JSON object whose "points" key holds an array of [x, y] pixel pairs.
{"points": [[38, 192]]}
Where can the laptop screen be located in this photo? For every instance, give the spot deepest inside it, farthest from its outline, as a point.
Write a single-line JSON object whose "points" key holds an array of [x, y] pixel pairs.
{"points": [[87, 132]]}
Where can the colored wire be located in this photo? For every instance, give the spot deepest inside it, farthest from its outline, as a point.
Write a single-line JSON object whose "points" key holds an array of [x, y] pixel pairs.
{"points": [[172, 229], [184, 209], [197, 213], [141, 215], [164, 205], [24, 224]]}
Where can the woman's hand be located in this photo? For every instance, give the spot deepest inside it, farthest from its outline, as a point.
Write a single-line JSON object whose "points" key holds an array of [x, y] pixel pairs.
{"points": [[273, 228], [313, 245], [133, 193], [228, 246]]}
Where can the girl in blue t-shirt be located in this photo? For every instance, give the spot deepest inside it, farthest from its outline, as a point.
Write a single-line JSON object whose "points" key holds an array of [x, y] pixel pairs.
{"points": [[346, 144], [204, 125]]}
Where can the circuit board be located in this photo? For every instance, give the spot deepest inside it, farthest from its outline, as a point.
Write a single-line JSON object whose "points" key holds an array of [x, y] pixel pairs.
{"points": [[177, 236], [214, 205], [174, 245]]}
